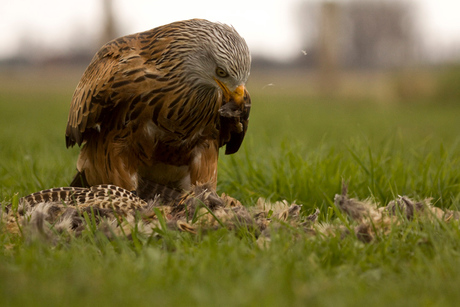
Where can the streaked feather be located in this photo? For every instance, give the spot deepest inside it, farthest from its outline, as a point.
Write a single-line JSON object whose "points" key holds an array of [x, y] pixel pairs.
{"points": [[147, 108]]}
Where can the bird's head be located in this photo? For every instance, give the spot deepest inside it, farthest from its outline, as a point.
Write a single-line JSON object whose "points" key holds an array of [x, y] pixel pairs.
{"points": [[220, 61]]}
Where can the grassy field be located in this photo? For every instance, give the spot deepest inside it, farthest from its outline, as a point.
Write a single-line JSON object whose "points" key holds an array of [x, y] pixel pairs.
{"points": [[298, 148]]}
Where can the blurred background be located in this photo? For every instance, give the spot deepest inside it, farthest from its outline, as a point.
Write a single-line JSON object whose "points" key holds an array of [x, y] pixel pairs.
{"points": [[389, 51], [340, 89]]}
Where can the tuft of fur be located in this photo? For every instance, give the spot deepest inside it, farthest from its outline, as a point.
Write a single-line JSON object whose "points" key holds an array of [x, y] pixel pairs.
{"points": [[373, 221], [53, 213], [116, 212]]}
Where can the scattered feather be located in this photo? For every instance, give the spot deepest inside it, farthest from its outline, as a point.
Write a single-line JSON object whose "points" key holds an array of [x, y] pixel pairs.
{"points": [[117, 212]]}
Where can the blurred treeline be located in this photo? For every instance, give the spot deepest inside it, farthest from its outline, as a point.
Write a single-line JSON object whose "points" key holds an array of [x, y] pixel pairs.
{"points": [[370, 49], [352, 49]]}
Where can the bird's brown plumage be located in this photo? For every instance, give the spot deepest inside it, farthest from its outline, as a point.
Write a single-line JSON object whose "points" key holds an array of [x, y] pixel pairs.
{"points": [[157, 105]]}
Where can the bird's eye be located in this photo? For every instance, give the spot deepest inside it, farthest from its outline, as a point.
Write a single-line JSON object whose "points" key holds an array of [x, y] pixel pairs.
{"points": [[221, 72]]}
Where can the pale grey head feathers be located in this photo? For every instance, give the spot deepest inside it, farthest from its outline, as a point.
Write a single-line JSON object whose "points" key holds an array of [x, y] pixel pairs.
{"points": [[220, 52]]}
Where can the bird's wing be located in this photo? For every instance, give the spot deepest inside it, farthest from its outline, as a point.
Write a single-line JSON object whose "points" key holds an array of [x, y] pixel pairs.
{"points": [[91, 97], [117, 85]]}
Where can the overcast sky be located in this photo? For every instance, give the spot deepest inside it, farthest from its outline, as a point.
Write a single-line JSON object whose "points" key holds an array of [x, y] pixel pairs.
{"points": [[269, 26]]}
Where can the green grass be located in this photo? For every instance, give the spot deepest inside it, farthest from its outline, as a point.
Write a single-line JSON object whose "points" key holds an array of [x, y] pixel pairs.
{"points": [[301, 149], [297, 148]]}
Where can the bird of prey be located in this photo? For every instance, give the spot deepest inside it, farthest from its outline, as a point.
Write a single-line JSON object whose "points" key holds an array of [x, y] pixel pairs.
{"points": [[156, 106]]}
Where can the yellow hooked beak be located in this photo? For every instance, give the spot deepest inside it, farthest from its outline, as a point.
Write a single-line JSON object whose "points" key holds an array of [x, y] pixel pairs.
{"points": [[237, 95]]}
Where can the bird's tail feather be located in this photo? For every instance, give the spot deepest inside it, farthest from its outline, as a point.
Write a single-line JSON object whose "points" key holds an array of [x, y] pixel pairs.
{"points": [[149, 190], [80, 180]]}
